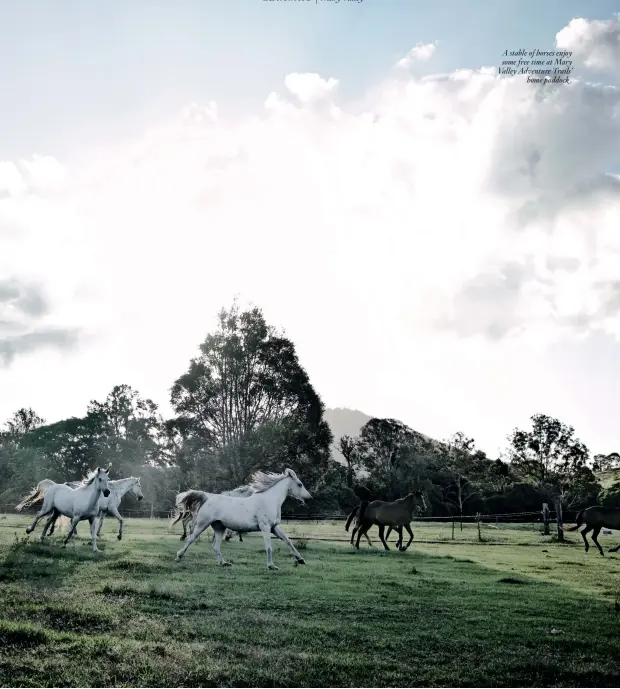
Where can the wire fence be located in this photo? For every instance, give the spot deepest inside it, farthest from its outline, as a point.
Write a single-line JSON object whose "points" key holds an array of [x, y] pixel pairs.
{"points": [[526, 517]]}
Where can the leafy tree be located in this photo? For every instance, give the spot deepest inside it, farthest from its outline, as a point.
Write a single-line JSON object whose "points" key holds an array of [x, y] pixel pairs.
{"points": [[390, 452], [606, 462], [247, 389], [72, 447], [20, 424], [131, 428], [550, 456], [464, 464], [350, 451]]}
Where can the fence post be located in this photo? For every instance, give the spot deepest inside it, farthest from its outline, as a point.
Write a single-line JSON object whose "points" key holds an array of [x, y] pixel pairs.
{"points": [[545, 516], [558, 518], [478, 517], [152, 507], [452, 527]]}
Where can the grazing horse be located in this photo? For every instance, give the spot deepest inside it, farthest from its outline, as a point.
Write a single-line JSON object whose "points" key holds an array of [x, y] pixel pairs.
{"points": [[188, 517], [594, 519], [395, 514], [260, 511], [110, 504], [76, 503], [353, 517]]}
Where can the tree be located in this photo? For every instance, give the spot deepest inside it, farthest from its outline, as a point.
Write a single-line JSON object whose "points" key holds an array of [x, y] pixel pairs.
{"points": [[245, 386], [549, 455], [350, 451], [463, 464], [387, 450], [21, 423], [72, 447], [606, 462], [131, 428]]}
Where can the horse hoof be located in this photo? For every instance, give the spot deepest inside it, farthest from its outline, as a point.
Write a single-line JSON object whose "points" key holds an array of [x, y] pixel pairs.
{"points": [[29, 530], [402, 549], [301, 561], [273, 567], [120, 535], [226, 564]]}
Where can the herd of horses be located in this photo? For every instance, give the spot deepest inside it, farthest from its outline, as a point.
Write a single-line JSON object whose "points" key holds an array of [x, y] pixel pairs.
{"points": [[255, 507]]}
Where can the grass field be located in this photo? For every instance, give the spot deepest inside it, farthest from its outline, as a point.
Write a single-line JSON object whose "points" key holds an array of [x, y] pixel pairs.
{"points": [[442, 614]]}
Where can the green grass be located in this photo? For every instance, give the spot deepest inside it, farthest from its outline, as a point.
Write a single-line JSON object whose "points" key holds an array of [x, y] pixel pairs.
{"points": [[442, 614]]}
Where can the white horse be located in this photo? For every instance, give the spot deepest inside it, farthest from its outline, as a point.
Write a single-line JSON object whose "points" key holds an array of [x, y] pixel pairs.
{"points": [[109, 505], [188, 517], [76, 503], [261, 511]]}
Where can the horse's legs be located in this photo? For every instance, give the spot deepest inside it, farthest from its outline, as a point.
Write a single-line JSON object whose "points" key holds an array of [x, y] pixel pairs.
{"points": [[51, 521], [583, 535], [240, 538], [184, 519], [218, 534], [362, 529], [283, 537], [93, 533], [382, 536], [614, 550], [266, 531], [43, 512], [595, 533], [72, 530], [101, 518], [196, 531], [53, 526], [410, 532], [113, 510]]}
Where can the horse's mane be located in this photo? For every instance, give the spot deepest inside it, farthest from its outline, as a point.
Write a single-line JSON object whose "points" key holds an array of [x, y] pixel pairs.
{"points": [[262, 481], [88, 479], [242, 491]]}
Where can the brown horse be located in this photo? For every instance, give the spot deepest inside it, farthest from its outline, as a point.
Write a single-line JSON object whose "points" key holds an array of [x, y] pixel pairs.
{"points": [[397, 514], [356, 525], [594, 519]]}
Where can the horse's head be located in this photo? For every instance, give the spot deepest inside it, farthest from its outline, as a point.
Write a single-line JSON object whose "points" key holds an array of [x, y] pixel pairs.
{"points": [[136, 488], [101, 481], [416, 497], [296, 488]]}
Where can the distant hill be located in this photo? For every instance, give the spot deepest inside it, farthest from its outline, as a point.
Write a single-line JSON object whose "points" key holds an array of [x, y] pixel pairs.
{"points": [[343, 421]]}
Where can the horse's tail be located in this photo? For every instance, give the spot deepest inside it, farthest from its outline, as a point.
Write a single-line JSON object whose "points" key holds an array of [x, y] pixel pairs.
{"points": [[189, 501], [351, 517], [579, 521], [363, 507], [36, 496]]}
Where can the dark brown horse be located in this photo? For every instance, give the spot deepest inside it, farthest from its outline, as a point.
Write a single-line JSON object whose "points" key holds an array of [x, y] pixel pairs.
{"points": [[397, 514], [356, 525], [594, 519]]}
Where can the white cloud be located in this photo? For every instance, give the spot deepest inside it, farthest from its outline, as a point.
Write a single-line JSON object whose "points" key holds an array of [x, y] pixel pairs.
{"points": [[460, 221], [594, 42], [310, 88], [419, 53]]}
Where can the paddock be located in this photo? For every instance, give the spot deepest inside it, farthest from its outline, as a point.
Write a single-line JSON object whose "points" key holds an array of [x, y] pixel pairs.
{"points": [[517, 609]]}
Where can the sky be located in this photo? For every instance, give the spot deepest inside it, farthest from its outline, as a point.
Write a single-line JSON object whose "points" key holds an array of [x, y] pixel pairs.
{"points": [[442, 243]]}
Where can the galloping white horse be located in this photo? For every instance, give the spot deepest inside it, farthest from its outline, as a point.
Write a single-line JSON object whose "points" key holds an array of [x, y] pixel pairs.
{"points": [[188, 517], [261, 511], [76, 503], [109, 504]]}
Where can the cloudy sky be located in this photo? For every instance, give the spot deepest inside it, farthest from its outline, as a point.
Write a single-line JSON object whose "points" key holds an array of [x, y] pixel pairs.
{"points": [[441, 243]]}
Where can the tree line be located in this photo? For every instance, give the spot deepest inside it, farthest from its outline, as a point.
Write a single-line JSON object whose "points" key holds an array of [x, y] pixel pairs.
{"points": [[246, 403]]}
